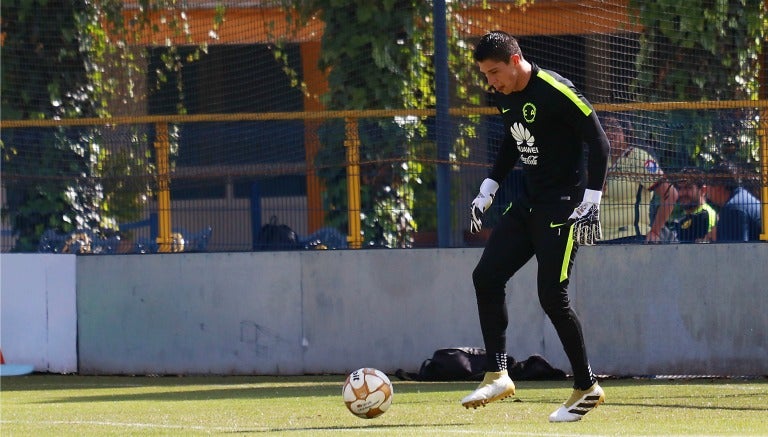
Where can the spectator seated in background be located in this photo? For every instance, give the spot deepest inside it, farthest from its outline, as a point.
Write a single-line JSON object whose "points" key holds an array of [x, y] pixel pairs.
{"points": [[699, 217], [739, 216], [633, 177]]}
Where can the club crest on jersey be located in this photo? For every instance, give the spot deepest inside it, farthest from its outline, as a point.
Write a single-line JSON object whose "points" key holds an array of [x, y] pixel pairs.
{"points": [[651, 166], [529, 112]]}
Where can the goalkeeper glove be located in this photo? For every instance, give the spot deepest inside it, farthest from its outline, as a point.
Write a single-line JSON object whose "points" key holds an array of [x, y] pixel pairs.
{"points": [[481, 204], [586, 219]]}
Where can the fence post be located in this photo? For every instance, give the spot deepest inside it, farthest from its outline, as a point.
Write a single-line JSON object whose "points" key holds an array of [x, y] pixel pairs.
{"points": [[255, 215], [162, 150], [443, 128], [317, 85], [352, 144], [762, 135]]}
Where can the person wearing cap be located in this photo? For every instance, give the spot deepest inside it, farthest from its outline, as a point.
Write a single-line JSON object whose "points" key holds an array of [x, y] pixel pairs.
{"points": [[634, 176], [739, 216], [700, 218]]}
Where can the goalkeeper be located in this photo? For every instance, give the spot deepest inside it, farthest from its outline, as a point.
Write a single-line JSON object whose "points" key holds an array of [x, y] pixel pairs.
{"points": [[548, 125]]}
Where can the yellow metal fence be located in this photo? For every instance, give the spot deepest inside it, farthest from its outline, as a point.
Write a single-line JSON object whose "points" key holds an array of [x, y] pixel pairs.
{"points": [[165, 174]]}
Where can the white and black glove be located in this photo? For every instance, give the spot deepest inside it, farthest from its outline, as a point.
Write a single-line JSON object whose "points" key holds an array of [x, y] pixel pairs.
{"points": [[481, 204], [586, 219]]}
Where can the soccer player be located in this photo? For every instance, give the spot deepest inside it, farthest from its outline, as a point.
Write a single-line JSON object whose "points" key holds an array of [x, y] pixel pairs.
{"points": [[548, 123], [699, 217]]}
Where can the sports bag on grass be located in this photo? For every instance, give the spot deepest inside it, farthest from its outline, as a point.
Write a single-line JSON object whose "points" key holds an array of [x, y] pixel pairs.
{"points": [[468, 364]]}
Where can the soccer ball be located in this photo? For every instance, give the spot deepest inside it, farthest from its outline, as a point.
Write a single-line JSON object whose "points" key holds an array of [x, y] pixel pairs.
{"points": [[367, 393]]}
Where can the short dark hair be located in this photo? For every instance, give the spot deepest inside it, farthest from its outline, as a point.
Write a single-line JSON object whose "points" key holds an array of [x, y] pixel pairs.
{"points": [[614, 120], [689, 176], [725, 174], [496, 45]]}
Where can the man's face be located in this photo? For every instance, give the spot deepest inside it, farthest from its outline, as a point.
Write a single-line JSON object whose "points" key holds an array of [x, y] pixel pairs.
{"points": [[503, 77], [690, 195]]}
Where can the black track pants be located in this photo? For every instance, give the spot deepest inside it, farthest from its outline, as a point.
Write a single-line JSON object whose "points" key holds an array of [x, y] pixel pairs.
{"points": [[523, 232]]}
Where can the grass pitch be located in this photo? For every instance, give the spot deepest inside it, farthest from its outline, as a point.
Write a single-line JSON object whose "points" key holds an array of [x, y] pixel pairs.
{"points": [[67, 405]]}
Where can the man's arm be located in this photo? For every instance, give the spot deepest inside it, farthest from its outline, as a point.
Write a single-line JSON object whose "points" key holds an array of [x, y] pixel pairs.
{"points": [[599, 149], [586, 216], [505, 159], [668, 197]]}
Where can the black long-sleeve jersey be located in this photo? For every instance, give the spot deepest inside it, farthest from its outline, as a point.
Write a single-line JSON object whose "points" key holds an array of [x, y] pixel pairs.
{"points": [[547, 125]]}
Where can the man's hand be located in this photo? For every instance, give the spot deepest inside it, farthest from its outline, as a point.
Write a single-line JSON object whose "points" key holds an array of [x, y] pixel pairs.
{"points": [[478, 208], [481, 204], [586, 219]]}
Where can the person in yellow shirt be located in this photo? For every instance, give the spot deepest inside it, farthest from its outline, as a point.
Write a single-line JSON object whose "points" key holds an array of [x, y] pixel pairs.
{"points": [[699, 217], [634, 176]]}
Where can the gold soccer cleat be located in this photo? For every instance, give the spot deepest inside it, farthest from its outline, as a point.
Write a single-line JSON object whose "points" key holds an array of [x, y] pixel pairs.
{"points": [[495, 386]]}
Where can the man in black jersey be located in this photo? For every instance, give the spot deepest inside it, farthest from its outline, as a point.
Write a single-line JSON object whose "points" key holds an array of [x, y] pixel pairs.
{"points": [[548, 124]]}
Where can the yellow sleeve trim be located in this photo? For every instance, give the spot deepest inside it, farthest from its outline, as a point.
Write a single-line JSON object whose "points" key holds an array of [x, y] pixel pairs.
{"points": [[563, 88]]}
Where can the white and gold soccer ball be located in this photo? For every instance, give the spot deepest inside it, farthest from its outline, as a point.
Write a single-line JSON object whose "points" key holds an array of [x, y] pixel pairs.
{"points": [[367, 393]]}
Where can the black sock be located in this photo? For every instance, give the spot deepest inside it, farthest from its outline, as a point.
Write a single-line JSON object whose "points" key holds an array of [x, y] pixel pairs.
{"points": [[586, 383]]}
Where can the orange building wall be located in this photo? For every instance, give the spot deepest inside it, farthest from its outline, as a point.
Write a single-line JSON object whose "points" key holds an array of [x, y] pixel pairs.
{"points": [[262, 25]]}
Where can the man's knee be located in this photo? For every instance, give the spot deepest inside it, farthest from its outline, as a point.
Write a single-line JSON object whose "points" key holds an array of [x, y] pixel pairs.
{"points": [[555, 304], [483, 277]]}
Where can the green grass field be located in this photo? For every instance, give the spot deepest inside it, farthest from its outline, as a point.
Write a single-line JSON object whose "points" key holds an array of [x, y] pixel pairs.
{"points": [[67, 405]]}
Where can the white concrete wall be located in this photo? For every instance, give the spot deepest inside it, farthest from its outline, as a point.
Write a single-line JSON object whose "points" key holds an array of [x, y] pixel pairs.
{"points": [[196, 313], [38, 318], [676, 309]]}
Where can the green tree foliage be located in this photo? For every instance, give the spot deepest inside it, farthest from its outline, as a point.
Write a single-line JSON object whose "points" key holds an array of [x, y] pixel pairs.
{"points": [[718, 41], [702, 50], [71, 59], [369, 52], [378, 55], [43, 77]]}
